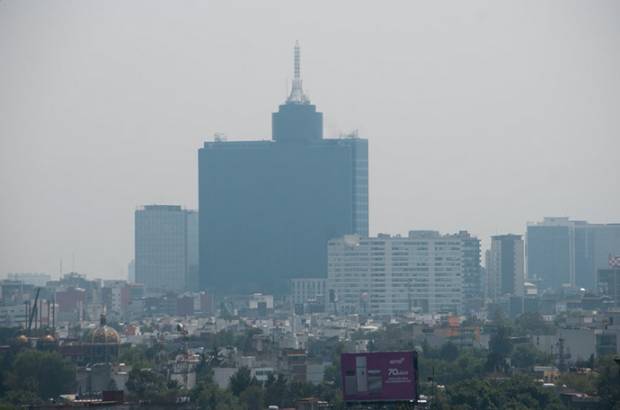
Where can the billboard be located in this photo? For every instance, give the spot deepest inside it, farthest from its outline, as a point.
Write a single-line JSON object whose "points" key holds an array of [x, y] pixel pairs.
{"points": [[380, 376]]}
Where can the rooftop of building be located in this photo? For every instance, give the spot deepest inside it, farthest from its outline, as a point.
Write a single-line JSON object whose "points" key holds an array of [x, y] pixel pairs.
{"points": [[511, 236], [268, 143], [156, 207], [412, 235], [565, 221]]}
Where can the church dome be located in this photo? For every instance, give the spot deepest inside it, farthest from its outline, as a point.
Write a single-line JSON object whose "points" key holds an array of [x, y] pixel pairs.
{"points": [[104, 334]]}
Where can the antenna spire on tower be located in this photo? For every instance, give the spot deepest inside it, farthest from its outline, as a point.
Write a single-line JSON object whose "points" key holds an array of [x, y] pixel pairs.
{"points": [[297, 61], [297, 95]]}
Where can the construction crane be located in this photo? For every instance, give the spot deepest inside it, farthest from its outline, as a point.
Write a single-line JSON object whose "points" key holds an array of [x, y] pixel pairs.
{"points": [[33, 312]]}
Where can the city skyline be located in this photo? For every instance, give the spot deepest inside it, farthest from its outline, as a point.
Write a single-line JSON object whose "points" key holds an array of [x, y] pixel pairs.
{"points": [[85, 139], [422, 212]]}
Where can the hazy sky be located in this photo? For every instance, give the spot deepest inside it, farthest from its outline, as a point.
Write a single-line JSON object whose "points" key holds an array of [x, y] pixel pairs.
{"points": [[480, 115]]}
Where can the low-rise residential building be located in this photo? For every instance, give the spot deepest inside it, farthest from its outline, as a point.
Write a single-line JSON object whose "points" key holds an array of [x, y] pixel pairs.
{"points": [[13, 316]]}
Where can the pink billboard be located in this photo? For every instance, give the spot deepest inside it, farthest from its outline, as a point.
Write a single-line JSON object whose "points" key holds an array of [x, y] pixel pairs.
{"points": [[380, 376]]}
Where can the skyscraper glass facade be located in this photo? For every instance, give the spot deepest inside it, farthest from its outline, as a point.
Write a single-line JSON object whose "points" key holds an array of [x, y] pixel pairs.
{"points": [[268, 208]]}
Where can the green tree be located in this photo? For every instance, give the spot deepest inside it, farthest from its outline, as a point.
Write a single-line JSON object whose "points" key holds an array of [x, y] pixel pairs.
{"points": [[332, 374], [4, 405], [18, 398], [583, 383], [253, 397], [608, 385], [521, 392], [429, 351], [45, 374], [472, 394], [245, 341], [240, 381], [275, 390], [297, 390], [136, 356], [6, 364], [8, 335], [330, 393], [148, 385], [500, 347], [209, 396], [204, 370], [525, 356], [449, 351], [516, 393], [469, 364]]}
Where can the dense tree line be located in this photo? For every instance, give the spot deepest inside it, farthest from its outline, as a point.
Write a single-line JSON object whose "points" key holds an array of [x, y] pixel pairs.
{"points": [[247, 393], [32, 376], [515, 393]]}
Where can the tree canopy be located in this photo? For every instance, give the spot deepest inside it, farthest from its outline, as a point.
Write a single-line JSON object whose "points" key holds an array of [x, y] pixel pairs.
{"points": [[38, 375]]}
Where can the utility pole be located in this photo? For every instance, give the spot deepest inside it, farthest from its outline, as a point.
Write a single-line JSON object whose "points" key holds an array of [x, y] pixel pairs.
{"points": [[433, 389]]}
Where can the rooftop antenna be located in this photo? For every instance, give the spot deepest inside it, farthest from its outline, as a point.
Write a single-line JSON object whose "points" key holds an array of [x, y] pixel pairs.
{"points": [[297, 72], [297, 93]]}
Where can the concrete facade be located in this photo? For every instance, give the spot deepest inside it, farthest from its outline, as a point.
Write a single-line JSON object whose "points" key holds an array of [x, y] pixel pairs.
{"points": [[388, 275]]}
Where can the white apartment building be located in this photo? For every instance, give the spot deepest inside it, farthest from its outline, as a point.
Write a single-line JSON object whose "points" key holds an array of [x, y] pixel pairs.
{"points": [[388, 275], [166, 247], [256, 299], [13, 316], [115, 296], [309, 290]]}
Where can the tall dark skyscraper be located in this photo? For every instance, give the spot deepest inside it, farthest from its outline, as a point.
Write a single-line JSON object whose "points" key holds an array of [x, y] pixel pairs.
{"points": [[505, 266], [268, 208]]}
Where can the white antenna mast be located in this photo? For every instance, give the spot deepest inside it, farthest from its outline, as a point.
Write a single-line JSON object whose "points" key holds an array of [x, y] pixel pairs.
{"points": [[297, 93]]}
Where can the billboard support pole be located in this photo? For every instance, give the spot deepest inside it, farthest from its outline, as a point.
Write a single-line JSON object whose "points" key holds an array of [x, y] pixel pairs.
{"points": [[434, 388]]}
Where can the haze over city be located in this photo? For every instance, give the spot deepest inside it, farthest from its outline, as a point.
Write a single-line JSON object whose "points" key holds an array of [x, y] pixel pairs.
{"points": [[479, 115]]}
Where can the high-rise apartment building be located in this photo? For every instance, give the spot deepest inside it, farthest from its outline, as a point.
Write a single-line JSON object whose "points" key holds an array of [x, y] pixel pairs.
{"points": [[165, 247], [562, 252], [473, 292], [505, 270], [267, 208], [388, 275]]}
